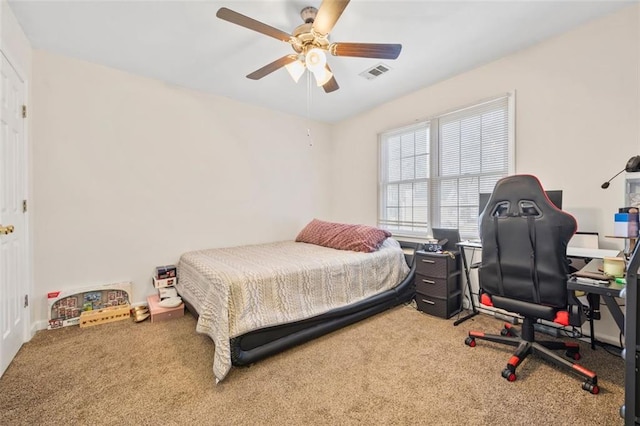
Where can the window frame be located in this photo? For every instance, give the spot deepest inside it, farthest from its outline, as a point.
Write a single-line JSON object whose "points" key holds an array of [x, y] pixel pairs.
{"points": [[424, 124], [434, 175]]}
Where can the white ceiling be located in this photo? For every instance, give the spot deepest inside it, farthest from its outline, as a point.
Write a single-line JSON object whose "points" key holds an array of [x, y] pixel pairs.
{"points": [[183, 43]]}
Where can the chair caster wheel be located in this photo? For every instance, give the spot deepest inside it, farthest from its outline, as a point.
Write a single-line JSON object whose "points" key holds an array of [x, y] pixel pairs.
{"points": [[506, 332], [575, 355], [509, 375], [470, 341], [590, 387]]}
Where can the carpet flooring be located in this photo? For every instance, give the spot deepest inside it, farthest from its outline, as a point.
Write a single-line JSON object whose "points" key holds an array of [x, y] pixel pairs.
{"points": [[401, 367]]}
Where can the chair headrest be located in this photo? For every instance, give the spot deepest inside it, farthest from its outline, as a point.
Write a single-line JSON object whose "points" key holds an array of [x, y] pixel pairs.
{"points": [[523, 195]]}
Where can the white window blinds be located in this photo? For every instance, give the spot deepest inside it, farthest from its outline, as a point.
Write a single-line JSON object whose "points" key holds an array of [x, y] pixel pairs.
{"points": [[433, 178], [404, 187]]}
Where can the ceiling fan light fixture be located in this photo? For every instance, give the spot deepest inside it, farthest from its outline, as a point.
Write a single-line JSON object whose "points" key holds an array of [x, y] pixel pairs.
{"points": [[322, 76], [315, 60], [295, 69], [310, 42]]}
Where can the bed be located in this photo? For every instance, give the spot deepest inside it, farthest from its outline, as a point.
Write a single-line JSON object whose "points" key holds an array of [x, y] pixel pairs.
{"points": [[257, 300]]}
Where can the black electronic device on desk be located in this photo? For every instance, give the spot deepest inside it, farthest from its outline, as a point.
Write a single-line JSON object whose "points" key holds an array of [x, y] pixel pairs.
{"points": [[444, 239], [449, 238]]}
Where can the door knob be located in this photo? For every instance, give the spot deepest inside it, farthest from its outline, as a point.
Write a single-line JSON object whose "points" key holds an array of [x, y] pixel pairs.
{"points": [[4, 230]]}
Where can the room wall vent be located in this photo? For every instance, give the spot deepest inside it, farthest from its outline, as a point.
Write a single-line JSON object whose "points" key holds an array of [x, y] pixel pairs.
{"points": [[375, 71]]}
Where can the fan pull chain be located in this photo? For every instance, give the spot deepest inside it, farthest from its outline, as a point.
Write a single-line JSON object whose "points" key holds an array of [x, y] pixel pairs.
{"points": [[309, 107]]}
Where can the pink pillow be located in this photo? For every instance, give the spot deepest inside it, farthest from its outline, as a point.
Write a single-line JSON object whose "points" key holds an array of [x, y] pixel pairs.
{"points": [[343, 236]]}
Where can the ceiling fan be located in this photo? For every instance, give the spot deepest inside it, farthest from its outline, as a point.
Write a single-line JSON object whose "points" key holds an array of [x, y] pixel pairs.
{"points": [[310, 41]]}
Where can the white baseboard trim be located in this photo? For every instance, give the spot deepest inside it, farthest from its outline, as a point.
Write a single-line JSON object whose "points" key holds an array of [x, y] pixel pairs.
{"points": [[37, 326]]}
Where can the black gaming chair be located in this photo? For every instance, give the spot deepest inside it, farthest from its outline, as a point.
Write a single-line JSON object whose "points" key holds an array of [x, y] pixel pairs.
{"points": [[524, 270]]}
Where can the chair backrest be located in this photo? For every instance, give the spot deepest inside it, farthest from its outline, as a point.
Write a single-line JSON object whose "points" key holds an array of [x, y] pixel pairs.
{"points": [[524, 244]]}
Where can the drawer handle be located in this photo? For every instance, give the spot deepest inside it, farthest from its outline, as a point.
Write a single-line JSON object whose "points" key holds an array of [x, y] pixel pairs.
{"points": [[429, 301], [428, 261], [428, 281]]}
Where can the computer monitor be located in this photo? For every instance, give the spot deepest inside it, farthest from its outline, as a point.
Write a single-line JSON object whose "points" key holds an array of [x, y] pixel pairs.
{"points": [[555, 196]]}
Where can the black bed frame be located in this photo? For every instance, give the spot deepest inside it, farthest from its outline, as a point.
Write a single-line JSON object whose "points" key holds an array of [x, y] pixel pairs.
{"points": [[259, 344]]}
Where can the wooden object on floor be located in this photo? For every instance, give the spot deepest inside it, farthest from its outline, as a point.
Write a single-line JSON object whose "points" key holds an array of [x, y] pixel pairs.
{"points": [[105, 315]]}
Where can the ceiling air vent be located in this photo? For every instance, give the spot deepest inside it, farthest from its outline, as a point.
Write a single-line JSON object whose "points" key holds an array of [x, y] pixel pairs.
{"points": [[375, 71]]}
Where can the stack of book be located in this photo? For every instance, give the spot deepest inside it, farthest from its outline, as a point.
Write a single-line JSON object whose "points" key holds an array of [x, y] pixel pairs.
{"points": [[164, 280]]}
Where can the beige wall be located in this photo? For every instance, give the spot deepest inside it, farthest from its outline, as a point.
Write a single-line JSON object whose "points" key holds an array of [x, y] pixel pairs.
{"points": [[577, 120], [129, 173]]}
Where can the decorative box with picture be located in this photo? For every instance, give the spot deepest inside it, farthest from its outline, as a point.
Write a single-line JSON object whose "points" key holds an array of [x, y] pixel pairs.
{"points": [[66, 306], [164, 276]]}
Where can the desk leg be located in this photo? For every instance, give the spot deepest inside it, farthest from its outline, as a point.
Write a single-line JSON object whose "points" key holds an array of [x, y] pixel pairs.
{"points": [[615, 310], [474, 310], [463, 319], [594, 306]]}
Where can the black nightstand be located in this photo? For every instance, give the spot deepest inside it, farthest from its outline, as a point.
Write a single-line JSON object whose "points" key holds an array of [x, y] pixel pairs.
{"points": [[438, 283]]}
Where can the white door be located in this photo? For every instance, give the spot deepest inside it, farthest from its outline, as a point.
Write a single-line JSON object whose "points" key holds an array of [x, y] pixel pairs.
{"points": [[13, 236]]}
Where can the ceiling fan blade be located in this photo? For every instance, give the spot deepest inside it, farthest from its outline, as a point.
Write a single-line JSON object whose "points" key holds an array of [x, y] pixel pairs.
{"points": [[328, 14], [332, 84], [366, 50], [273, 66], [250, 23]]}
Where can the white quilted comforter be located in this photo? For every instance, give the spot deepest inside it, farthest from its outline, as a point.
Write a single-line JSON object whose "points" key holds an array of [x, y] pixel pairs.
{"points": [[239, 289]]}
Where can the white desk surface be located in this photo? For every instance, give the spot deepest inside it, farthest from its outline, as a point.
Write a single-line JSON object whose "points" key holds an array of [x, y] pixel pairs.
{"points": [[592, 253], [470, 244]]}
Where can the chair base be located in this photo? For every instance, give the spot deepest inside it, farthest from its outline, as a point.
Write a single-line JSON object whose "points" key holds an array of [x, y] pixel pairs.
{"points": [[525, 345]]}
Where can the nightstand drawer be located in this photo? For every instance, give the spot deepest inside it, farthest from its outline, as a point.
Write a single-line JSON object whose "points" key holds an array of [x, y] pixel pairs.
{"points": [[443, 308], [436, 265], [438, 287]]}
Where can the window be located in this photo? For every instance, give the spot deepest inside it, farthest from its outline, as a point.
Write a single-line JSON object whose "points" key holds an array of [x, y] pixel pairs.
{"points": [[431, 173]]}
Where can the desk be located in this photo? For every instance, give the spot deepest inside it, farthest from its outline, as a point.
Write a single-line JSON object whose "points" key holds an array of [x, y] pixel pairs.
{"points": [[594, 292], [571, 252], [591, 252], [467, 268]]}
